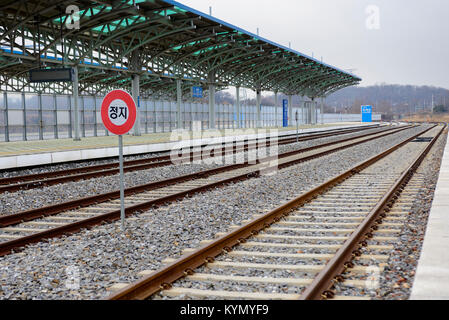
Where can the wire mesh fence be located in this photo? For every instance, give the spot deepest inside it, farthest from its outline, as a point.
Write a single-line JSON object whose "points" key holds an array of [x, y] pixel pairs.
{"points": [[26, 116]]}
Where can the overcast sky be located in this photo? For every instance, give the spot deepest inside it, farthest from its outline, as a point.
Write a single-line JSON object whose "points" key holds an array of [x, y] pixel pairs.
{"points": [[407, 43]]}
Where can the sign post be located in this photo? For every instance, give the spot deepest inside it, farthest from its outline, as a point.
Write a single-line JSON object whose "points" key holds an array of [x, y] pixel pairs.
{"points": [[119, 113]]}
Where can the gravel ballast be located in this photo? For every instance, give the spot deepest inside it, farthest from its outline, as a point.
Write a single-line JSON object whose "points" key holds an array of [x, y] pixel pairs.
{"points": [[22, 200], [83, 164], [396, 281], [102, 256]]}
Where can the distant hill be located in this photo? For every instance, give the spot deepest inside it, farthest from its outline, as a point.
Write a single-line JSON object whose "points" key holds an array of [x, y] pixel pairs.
{"points": [[389, 99]]}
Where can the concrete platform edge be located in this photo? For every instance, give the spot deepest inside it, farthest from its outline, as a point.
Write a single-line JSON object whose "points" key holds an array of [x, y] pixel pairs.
{"points": [[432, 275], [29, 160]]}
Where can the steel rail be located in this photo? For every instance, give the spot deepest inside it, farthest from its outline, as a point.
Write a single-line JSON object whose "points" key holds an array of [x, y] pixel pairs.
{"points": [[163, 278], [313, 134], [32, 214], [8, 246], [321, 286], [55, 177]]}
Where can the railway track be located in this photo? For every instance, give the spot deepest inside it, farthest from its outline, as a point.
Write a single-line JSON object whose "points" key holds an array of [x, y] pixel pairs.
{"points": [[371, 278], [18, 230], [39, 180], [310, 248], [162, 154]]}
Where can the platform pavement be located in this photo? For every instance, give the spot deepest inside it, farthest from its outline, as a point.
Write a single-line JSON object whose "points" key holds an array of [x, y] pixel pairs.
{"points": [[40, 152], [432, 275]]}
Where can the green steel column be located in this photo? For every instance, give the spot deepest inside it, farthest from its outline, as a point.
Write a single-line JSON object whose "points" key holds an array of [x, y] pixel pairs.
{"points": [[154, 116], [146, 116], [55, 115], [178, 103], [306, 112], [170, 114], [135, 93], [322, 110], [211, 101], [83, 116], [5, 103], [69, 102], [106, 131], [40, 117], [276, 109], [259, 107], [313, 111], [76, 104], [303, 107], [237, 94], [309, 112], [191, 114], [24, 110], [95, 117], [290, 110]]}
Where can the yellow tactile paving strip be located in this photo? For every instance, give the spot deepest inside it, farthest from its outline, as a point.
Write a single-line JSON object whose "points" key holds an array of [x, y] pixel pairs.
{"points": [[55, 145]]}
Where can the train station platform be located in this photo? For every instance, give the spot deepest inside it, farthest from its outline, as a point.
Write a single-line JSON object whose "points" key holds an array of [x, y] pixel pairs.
{"points": [[42, 152], [432, 275]]}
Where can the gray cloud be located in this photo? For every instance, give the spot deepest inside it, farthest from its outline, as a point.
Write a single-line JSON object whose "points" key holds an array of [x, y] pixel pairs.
{"points": [[410, 47]]}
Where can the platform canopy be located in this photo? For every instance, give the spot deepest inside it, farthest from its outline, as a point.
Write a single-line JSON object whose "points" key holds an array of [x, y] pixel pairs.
{"points": [[161, 40]]}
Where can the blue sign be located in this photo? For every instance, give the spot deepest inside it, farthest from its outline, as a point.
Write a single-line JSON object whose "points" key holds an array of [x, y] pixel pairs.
{"points": [[367, 114], [285, 113], [197, 92]]}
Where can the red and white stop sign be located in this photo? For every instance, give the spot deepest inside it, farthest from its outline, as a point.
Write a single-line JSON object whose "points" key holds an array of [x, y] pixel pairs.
{"points": [[118, 112]]}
